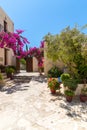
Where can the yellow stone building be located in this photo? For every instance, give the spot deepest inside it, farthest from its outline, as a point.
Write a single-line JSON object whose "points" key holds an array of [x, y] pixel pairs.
{"points": [[7, 25]]}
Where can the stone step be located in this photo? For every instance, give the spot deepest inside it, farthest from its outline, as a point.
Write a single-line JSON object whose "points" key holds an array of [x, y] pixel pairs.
{"points": [[4, 75], [22, 79], [7, 79]]}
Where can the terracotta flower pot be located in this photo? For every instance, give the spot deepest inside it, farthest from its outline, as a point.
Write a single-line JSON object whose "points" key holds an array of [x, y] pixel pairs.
{"points": [[83, 98], [69, 98], [53, 91]]}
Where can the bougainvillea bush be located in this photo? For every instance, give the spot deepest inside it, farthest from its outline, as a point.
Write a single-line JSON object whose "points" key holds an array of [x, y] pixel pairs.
{"points": [[15, 41], [38, 53]]}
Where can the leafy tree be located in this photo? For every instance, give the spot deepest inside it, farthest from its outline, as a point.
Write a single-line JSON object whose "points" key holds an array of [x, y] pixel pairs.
{"points": [[70, 47]]}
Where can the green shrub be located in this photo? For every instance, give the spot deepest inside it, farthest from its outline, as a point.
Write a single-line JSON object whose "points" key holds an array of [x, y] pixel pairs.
{"points": [[9, 70], [65, 76], [11, 66], [84, 91], [54, 72], [2, 68], [71, 84], [23, 61], [83, 73]]}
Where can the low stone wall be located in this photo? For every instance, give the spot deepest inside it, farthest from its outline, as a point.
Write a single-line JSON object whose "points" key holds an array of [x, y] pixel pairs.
{"points": [[78, 90]]}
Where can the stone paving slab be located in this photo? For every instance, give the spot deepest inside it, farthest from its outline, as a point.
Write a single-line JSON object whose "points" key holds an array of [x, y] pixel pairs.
{"points": [[32, 107]]}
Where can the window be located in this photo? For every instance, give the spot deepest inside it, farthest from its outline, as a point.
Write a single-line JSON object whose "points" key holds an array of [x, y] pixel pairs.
{"points": [[5, 26]]}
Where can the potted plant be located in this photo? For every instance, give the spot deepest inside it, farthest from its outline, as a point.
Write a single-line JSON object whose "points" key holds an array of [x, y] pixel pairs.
{"points": [[54, 72], [54, 85], [83, 95], [71, 84], [69, 95], [2, 68], [10, 71], [70, 88], [82, 78]]}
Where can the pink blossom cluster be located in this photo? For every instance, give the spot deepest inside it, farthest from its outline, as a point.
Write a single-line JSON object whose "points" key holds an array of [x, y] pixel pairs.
{"points": [[36, 53], [40, 63], [42, 44], [14, 41]]}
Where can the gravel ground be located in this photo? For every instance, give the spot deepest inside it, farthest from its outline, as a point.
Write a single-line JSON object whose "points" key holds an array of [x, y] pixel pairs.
{"points": [[31, 106]]}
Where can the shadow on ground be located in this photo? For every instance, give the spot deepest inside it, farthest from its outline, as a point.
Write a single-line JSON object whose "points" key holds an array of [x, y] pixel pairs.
{"points": [[75, 109], [21, 83], [40, 78], [16, 87]]}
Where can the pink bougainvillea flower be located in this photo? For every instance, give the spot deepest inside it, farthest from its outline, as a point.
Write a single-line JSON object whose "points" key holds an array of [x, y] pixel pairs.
{"points": [[19, 31], [16, 35], [14, 41], [19, 57], [42, 44], [25, 40]]}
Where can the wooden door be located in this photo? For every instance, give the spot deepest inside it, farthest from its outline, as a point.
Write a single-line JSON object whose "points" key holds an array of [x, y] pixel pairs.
{"points": [[29, 64]]}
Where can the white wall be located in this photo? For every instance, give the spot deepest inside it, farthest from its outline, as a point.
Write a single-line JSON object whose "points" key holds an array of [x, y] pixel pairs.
{"points": [[35, 65]]}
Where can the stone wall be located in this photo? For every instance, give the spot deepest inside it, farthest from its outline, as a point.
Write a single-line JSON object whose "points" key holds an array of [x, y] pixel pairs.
{"points": [[48, 63], [10, 57], [10, 27], [35, 65], [11, 60], [5, 17]]}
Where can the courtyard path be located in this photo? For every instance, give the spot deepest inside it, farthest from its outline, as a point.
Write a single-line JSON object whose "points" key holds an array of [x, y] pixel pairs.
{"points": [[30, 106]]}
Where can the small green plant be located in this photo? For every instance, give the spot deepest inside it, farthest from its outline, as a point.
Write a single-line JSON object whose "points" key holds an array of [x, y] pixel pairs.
{"points": [[69, 93], [12, 66], [1, 77], [23, 61], [65, 76], [10, 70], [83, 73], [2, 68], [84, 91], [54, 72]]}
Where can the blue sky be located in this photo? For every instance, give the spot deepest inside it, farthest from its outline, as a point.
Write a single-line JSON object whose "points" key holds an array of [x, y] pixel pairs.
{"points": [[38, 17]]}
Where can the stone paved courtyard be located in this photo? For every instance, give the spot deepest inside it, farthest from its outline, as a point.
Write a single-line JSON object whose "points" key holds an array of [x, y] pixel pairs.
{"points": [[30, 106]]}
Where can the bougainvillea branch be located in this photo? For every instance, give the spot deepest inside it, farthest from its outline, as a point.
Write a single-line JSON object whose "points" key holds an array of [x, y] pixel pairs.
{"points": [[14, 40]]}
